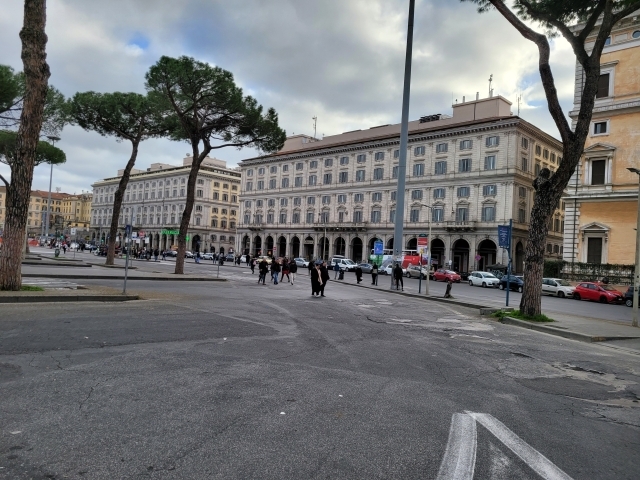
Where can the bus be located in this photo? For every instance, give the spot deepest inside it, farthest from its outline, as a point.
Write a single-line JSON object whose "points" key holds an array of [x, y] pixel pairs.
{"points": [[408, 257]]}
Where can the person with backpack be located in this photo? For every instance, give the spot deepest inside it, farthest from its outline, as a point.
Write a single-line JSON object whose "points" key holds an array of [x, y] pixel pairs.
{"points": [[293, 268]]}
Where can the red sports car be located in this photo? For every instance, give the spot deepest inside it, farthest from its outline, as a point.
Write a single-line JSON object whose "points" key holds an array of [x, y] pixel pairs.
{"points": [[597, 292], [446, 275]]}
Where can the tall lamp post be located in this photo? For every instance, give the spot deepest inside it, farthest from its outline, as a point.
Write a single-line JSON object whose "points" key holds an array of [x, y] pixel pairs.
{"points": [[53, 140], [426, 284], [636, 276]]}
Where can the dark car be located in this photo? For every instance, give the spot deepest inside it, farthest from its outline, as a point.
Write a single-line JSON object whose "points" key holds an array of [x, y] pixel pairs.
{"points": [[366, 267], [515, 283], [628, 297]]}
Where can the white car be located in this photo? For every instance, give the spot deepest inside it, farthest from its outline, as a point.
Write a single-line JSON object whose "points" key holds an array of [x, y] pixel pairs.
{"points": [[483, 279], [557, 287], [207, 256], [388, 270], [301, 262]]}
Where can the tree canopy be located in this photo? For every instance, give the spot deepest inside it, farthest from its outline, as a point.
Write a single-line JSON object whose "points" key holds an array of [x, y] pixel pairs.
{"points": [[12, 95], [45, 152]]}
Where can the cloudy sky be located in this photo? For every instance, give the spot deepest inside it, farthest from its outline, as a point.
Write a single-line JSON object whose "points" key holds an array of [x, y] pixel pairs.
{"points": [[339, 60]]}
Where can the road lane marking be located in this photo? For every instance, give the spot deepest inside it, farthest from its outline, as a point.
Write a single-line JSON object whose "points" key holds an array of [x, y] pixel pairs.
{"points": [[459, 458], [529, 455]]}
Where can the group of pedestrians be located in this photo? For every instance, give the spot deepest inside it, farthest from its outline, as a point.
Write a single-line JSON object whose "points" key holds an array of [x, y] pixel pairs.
{"points": [[279, 266]]}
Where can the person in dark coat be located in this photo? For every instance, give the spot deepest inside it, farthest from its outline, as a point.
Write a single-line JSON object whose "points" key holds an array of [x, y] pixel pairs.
{"points": [[314, 273], [397, 276], [275, 270], [310, 266], [358, 272], [374, 274], [293, 268], [447, 294], [263, 268], [324, 277], [253, 265], [285, 270]]}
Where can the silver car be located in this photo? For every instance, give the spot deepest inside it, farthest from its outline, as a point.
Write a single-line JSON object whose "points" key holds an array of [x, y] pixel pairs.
{"points": [[557, 287], [301, 262]]}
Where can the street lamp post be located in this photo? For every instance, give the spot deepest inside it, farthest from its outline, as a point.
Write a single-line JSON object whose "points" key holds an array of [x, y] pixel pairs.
{"points": [[636, 276], [53, 140], [426, 285]]}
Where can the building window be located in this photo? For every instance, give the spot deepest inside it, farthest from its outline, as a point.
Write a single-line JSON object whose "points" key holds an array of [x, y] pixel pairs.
{"points": [[269, 218], [298, 181], [285, 182], [260, 186], [376, 197], [418, 170], [271, 203], [379, 156], [489, 190], [283, 217], [490, 162], [524, 143], [594, 250], [414, 215], [272, 183], [536, 169], [442, 147], [392, 216], [522, 192], [310, 217], [342, 198], [462, 214], [360, 174], [488, 213], [603, 85], [297, 201], [285, 168], [313, 164], [313, 180], [344, 160], [343, 177], [214, 222], [311, 200], [273, 169], [522, 215], [358, 197], [378, 173], [545, 154], [258, 204], [439, 193], [361, 158], [416, 194], [225, 197], [327, 179], [463, 192], [598, 168], [394, 172], [440, 168], [524, 164], [553, 157], [260, 172], [466, 144], [396, 154], [538, 150], [199, 193], [437, 214], [357, 216], [492, 141], [216, 195], [419, 150], [375, 216], [393, 195], [600, 128], [328, 162], [324, 217], [636, 34], [295, 218], [326, 199], [283, 202], [299, 166], [464, 165], [250, 172]]}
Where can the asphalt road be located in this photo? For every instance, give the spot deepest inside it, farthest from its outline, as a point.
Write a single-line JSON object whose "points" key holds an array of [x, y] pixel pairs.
{"points": [[239, 381]]}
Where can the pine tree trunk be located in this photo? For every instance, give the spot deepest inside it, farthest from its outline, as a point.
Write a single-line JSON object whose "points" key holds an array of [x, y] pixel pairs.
{"points": [[36, 71], [117, 203]]}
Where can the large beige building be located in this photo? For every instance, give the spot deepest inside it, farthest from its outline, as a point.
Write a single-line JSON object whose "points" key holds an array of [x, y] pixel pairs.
{"points": [[602, 198], [76, 211], [155, 199], [37, 210], [474, 169]]}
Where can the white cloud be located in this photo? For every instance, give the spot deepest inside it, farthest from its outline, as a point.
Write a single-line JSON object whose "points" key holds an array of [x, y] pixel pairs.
{"points": [[340, 61]]}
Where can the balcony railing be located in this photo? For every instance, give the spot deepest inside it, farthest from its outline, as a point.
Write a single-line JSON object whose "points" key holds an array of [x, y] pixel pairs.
{"points": [[457, 226], [341, 226]]}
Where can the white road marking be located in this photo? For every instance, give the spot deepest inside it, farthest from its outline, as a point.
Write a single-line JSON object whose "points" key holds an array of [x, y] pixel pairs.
{"points": [[459, 458], [536, 461]]}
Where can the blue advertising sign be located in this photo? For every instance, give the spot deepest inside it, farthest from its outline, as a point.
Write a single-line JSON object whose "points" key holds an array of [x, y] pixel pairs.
{"points": [[504, 236], [378, 248]]}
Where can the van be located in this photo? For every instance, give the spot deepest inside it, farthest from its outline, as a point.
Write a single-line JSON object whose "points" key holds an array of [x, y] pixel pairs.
{"points": [[345, 264]]}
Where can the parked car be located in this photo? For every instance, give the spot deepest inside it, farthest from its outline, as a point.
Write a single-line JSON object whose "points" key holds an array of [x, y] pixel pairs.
{"points": [[345, 264], [597, 292], [628, 297], [464, 276], [301, 262], [230, 257], [442, 275], [207, 256], [171, 253], [483, 279], [387, 269], [416, 271], [557, 287], [366, 267], [515, 284], [188, 254]]}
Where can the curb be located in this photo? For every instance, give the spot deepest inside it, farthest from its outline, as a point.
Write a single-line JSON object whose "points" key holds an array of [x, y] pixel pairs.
{"points": [[46, 264], [68, 298], [129, 277], [581, 337]]}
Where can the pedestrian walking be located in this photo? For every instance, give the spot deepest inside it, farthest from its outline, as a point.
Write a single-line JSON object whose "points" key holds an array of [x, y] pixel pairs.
{"points": [[324, 277], [275, 271], [156, 253], [263, 268], [285, 271], [164, 254], [336, 269], [358, 272], [447, 293], [249, 260], [293, 268], [64, 248], [374, 274], [397, 276], [310, 266], [314, 273], [254, 262], [198, 256]]}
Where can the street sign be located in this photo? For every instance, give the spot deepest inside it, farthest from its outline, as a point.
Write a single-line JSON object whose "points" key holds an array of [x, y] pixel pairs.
{"points": [[134, 234], [423, 244], [504, 236], [170, 232], [378, 248], [74, 231]]}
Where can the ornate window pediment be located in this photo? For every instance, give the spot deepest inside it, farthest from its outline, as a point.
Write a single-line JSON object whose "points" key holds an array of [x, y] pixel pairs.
{"points": [[599, 149], [595, 227]]}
